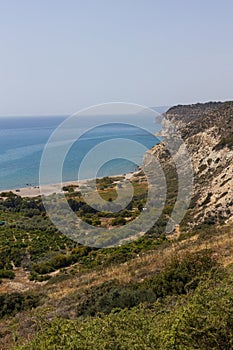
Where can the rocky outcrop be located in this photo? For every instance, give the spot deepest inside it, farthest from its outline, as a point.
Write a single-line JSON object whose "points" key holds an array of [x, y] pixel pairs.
{"points": [[207, 131]]}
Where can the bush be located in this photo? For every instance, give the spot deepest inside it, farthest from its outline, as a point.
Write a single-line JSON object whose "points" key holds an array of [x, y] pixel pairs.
{"points": [[179, 277], [118, 221], [10, 304], [182, 274], [7, 274], [203, 320]]}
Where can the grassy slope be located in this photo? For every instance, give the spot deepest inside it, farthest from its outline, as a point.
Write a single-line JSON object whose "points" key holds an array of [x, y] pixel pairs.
{"points": [[77, 290], [143, 295]]}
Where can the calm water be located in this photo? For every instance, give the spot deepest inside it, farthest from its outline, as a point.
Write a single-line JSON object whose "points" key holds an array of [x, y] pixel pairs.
{"points": [[23, 139]]}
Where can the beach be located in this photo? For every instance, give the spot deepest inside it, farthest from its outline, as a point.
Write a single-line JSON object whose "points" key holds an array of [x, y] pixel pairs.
{"points": [[34, 191]]}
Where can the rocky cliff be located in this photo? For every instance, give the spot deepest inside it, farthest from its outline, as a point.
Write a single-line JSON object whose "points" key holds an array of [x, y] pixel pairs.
{"points": [[207, 131]]}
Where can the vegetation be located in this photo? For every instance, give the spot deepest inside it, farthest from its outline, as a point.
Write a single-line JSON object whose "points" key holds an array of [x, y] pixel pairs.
{"points": [[161, 306], [179, 277], [200, 319], [29, 239], [6, 274], [10, 304], [157, 292]]}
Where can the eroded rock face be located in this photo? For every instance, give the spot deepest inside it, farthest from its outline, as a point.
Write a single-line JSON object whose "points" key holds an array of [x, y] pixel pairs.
{"points": [[207, 130]]}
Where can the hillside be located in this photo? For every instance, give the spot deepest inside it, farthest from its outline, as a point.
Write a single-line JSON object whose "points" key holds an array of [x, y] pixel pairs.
{"points": [[161, 291], [207, 130]]}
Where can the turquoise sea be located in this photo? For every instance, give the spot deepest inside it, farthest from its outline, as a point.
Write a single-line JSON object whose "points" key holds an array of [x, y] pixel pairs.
{"points": [[22, 140]]}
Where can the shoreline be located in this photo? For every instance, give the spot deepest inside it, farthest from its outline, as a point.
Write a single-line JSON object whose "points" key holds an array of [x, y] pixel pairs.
{"points": [[34, 191]]}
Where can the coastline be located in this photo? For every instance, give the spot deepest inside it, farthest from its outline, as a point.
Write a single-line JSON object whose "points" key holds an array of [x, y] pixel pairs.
{"points": [[34, 191]]}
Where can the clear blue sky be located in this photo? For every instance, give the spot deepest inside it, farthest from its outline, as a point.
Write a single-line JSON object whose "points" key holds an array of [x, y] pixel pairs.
{"points": [[57, 56]]}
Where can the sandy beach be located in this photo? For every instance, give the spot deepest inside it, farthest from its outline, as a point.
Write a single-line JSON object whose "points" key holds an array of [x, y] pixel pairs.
{"points": [[34, 191]]}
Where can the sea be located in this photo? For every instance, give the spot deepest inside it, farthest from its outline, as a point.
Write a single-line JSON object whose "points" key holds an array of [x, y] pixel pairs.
{"points": [[23, 141]]}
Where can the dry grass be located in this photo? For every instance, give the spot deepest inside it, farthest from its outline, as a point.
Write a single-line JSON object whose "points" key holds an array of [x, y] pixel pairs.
{"points": [[146, 264], [137, 269]]}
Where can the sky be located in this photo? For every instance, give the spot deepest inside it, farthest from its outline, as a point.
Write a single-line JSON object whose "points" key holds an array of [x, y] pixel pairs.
{"points": [[59, 56]]}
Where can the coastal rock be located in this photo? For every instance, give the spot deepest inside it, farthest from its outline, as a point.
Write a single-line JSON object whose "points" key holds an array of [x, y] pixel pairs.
{"points": [[207, 132]]}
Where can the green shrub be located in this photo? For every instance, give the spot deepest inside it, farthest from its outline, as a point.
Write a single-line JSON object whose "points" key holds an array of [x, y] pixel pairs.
{"points": [[179, 277], [118, 221], [7, 274], [201, 320], [10, 304]]}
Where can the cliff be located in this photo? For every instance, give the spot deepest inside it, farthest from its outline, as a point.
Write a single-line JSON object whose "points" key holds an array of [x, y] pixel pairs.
{"points": [[207, 132]]}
